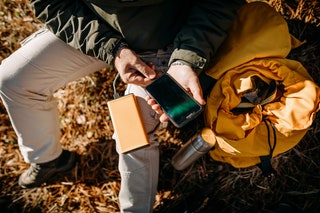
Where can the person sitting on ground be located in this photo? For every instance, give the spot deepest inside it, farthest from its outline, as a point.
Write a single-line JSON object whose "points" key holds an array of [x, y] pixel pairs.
{"points": [[81, 37]]}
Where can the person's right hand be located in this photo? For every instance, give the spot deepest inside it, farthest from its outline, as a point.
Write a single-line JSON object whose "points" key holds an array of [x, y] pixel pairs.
{"points": [[188, 79], [132, 69]]}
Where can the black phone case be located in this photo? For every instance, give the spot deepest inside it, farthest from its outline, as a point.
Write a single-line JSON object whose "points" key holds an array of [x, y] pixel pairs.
{"points": [[174, 100]]}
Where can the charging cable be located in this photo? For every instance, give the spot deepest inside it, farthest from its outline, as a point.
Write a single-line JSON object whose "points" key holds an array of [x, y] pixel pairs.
{"points": [[115, 93]]}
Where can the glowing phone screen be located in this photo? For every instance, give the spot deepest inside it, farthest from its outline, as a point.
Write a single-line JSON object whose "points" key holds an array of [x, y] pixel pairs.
{"points": [[174, 100]]}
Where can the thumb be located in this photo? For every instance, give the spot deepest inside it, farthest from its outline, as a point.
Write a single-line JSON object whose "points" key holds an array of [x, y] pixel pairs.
{"points": [[200, 99], [146, 71], [197, 95]]}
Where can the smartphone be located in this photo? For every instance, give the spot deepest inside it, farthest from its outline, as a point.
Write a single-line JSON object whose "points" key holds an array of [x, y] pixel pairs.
{"points": [[174, 100]]}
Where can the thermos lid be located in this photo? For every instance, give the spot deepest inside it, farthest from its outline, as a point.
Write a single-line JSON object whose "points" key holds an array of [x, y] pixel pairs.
{"points": [[208, 136]]}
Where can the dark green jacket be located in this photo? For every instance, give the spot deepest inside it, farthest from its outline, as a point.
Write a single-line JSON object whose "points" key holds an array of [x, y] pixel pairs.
{"points": [[195, 28]]}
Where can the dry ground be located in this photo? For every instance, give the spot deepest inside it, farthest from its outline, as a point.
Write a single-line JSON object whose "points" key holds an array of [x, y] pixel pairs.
{"points": [[208, 186]]}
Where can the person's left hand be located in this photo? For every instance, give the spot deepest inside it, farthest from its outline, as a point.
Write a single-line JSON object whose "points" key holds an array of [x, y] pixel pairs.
{"points": [[188, 79], [132, 69]]}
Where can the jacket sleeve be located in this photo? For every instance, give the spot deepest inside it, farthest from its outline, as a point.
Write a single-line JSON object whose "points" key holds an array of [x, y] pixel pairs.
{"points": [[206, 28], [74, 23]]}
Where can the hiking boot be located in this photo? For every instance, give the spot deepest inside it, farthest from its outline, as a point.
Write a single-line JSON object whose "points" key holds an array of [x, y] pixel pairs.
{"points": [[37, 174]]}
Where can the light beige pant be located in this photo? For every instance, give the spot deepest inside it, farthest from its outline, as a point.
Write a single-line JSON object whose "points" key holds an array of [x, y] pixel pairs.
{"points": [[28, 79]]}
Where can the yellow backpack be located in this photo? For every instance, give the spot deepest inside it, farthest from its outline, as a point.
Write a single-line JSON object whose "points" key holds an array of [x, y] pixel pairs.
{"points": [[262, 103]]}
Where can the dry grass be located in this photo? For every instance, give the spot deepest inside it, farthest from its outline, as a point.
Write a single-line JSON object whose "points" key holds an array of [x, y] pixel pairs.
{"points": [[208, 186]]}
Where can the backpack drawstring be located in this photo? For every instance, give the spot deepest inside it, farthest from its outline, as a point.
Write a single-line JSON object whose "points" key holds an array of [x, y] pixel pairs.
{"points": [[265, 165]]}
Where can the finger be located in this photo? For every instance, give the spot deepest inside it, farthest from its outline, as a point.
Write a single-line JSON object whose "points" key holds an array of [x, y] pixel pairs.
{"points": [[198, 97], [196, 91], [150, 101], [148, 98], [145, 70], [151, 65], [157, 109], [163, 118], [135, 77]]}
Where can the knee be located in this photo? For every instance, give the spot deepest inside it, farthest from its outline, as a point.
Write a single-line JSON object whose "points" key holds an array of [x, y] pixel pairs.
{"points": [[10, 92], [17, 84], [6, 78]]}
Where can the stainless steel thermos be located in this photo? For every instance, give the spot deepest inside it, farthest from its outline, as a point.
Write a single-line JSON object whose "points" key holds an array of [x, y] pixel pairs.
{"points": [[196, 147]]}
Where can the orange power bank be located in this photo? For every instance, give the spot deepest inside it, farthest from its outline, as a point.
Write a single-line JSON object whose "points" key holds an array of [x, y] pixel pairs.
{"points": [[127, 123]]}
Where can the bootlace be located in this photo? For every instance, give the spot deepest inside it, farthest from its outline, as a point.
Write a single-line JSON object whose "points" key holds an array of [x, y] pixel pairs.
{"points": [[34, 170]]}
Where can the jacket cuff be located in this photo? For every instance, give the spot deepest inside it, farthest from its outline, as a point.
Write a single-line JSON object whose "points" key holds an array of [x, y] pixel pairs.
{"points": [[197, 62], [111, 48], [120, 44]]}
